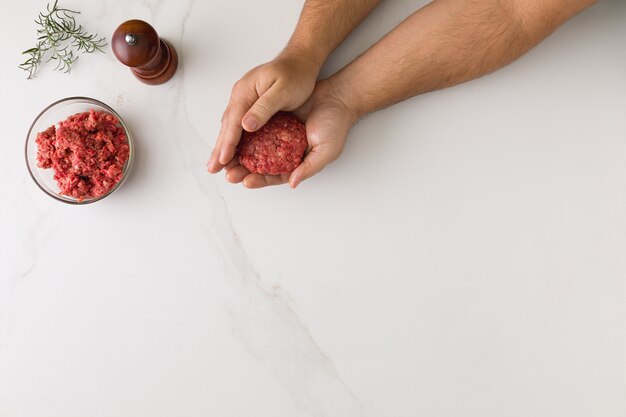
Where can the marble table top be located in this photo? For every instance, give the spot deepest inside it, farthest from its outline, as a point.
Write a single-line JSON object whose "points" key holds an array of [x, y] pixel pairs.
{"points": [[465, 255]]}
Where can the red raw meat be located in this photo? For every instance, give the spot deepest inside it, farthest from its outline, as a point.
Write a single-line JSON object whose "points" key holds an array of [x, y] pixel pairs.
{"points": [[276, 148], [87, 152]]}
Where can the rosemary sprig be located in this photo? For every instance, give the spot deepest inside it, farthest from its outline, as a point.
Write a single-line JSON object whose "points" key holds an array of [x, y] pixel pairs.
{"points": [[59, 39]]}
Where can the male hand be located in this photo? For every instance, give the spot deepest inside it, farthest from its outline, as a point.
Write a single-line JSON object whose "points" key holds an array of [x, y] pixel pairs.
{"points": [[328, 119], [282, 84]]}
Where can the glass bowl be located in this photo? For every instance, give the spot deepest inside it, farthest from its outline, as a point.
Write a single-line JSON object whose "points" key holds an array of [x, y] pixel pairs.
{"points": [[53, 114]]}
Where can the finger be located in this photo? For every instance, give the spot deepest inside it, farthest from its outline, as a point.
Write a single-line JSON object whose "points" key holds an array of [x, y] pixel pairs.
{"points": [[241, 99], [237, 174], [214, 164], [268, 104], [232, 164], [230, 133], [260, 181], [313, 163], [214, 160]]}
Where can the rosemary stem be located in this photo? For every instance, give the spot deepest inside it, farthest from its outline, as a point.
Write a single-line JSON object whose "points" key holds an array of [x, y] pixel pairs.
{"points": [[59, 38]]}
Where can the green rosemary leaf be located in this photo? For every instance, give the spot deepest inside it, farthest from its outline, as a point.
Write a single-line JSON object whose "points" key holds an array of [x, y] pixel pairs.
{"points": [[60, 38]]}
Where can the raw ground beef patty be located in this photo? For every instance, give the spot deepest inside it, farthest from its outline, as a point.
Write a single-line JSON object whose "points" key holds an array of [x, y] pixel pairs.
{"points": [[276, 148], [87, 152]]}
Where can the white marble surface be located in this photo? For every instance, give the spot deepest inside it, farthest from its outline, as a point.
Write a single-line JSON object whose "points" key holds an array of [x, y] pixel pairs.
{"points": [[464, 257]]}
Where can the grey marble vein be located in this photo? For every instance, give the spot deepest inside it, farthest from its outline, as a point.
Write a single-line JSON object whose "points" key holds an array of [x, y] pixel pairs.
{"points": [[261, 318], [36, 236]]}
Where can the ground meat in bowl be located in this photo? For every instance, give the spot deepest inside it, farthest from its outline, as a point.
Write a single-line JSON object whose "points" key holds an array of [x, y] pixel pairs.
{"points": [[87, 152], [276, 148]]}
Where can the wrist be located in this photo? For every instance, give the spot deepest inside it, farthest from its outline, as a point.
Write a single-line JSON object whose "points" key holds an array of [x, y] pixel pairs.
{"points": [[308, 56], [347, 93]]}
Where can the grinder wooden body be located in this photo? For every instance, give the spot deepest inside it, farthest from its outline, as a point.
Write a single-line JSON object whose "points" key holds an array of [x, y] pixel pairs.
{"points": [[151, 59]]}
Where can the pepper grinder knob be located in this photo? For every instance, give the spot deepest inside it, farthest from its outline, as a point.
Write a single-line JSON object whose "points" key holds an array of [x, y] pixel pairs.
{"points": [[137, 45]]}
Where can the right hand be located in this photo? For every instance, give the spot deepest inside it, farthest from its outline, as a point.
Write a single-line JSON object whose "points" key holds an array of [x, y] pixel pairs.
{"points": [[282, 84]]}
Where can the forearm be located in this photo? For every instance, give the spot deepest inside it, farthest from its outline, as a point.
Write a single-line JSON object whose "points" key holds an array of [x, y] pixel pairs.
{"points": [[446, 43], [323, 24]]}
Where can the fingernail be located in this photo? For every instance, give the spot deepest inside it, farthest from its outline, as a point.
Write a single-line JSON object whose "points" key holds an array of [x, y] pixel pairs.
{"points": [[250, 124]]}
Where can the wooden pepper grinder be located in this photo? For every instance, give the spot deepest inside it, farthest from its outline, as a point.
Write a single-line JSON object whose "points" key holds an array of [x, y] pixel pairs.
{"points": [[151, 59]]}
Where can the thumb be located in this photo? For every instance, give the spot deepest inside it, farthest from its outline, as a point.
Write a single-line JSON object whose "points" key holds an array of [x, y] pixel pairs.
{"points": [[314, 162], [269, 103]]}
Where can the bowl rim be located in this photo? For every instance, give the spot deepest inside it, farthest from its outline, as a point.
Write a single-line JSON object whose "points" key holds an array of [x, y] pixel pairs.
{"points": [[127, 166]]}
